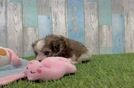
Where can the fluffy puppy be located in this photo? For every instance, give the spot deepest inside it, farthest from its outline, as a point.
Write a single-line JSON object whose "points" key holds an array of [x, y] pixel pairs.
{"points": [[55, 45]]}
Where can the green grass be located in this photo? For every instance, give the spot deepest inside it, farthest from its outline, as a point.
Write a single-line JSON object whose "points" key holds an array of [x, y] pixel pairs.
{"points": [[105, 71]]}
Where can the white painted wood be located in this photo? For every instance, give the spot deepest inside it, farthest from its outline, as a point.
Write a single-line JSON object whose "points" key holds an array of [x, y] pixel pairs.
{"points": [[91, 26], [105, 39], [58, 17], [3, 31], [129, 25], [30, 36], [14, 27]]}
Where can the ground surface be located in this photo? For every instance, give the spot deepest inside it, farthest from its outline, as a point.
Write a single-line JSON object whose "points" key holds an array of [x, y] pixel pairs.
{"points": [[105, 71]]}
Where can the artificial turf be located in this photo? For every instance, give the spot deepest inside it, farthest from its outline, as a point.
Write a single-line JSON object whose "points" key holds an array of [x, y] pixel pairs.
{"points": [[103, 71]]}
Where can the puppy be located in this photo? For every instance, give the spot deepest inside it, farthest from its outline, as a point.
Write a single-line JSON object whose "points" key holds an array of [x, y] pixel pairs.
{"points": [[55, 45]]}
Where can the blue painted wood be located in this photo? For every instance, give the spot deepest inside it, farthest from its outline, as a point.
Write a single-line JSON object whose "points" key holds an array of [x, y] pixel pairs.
{"points": [[105, 12], [30, 13], [75, 20], [45, 25], [118, 31]]}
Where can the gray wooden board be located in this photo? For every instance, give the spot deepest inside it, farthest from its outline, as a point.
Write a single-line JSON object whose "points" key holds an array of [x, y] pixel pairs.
{"points": [[3, 31], [105, 39], [129, 25], [30, 36], [91, 26], [58, 17], [14, 26]]}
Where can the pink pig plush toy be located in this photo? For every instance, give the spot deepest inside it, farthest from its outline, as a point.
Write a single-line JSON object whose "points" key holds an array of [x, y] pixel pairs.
{"points": [[51, 68]]}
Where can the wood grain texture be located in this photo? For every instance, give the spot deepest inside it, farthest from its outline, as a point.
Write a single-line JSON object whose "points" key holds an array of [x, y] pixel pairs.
{"points": [[14, 26], [58, 17], [129, 25], [3, 31], [31, 34], [117, 6], [104, 26], [30, 24], [91, 26], [118, 27], [44, 7], [75, 20], [44, 25], [30, 13], [105, 23], [105, 39], [105, 13], [44, 18], [118, 33]]}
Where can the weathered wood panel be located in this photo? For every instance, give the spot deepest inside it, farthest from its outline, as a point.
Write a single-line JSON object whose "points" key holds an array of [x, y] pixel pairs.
{"points": [[30, 13], [3, 30], [14, 26], [104, 26], [118, 27], [75, 20], [105, 39], [44, 18], [30, 20], [44, 7], [45, 26], [118, 33], [91, 26], [105, 23], [117, 6], [58, 17], [129, 25], [105, 13], [30, 36]]}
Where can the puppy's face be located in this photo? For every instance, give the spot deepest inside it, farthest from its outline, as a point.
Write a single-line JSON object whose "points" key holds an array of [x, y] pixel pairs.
{"points": [[41, 51], [51, 45]]}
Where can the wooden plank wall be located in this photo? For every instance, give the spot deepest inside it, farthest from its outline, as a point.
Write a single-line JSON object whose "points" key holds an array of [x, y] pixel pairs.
{"points": [[104, 26]]}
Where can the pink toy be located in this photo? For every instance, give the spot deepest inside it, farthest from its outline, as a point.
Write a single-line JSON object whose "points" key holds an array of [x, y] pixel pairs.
{"points": [[51, 68], [8, 56]]}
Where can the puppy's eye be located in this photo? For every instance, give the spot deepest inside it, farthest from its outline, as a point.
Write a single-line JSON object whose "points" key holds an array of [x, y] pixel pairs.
{"points": [[46, 53]]}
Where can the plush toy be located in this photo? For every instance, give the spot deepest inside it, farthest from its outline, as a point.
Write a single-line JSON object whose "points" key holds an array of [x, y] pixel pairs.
{"points": [[51, 68], [7, 56]]}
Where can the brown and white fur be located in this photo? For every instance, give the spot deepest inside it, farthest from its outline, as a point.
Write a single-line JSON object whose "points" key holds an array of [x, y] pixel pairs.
{"points": [[55, 45]]}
